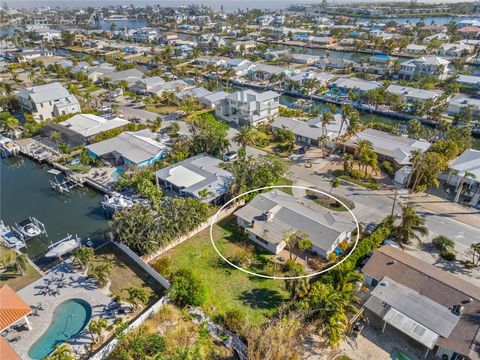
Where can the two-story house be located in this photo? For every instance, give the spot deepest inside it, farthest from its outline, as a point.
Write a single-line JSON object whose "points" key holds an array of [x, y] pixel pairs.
{"points": [[247, 107], [48, 101]]}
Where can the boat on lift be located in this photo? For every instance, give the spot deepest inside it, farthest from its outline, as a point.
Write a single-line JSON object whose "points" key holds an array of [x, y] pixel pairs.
{"points": [[9, 238], [116, 202], [29, 228], [64, 246]]}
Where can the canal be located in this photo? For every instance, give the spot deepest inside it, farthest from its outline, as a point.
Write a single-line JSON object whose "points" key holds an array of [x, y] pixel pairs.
{"points": [[25, 191]]}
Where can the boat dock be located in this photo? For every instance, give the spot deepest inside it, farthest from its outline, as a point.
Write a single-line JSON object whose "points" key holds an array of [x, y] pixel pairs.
{"points": [[64, 186], [29, 229]]}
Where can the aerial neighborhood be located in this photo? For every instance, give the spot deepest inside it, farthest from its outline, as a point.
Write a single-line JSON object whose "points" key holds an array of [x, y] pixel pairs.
{"points": [[233, 182]]}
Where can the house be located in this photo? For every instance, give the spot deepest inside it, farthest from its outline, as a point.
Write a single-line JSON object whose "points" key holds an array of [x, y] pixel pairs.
{"points": [[143, 86], [194, 93], [81, 128], [454, 50], [309, 132], [393, 148], [213, 99], [205, 61], [359, 86], [247, 107], [133, 149], [467, 163], [26, 55], [471, 32], [469, 81], [200, 177], [423, 303], [269, 215], [48, 101], [305, 59], [322, 78], [439, 36], [210, 42], [131, 76], [244, 46], [425, 65], [13, 309], [414, 49], [170, 86], [410, 94], [168, 37], [265, 71], [322, 40], [334, 63], [460, 101]]}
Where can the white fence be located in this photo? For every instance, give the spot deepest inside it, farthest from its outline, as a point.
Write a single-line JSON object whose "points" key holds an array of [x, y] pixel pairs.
{"points": [[224, 213], [107, 349]]}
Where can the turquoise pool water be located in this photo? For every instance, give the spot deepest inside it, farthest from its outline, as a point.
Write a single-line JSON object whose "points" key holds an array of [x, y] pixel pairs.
{"points": [[69, 318], [117, 173]]}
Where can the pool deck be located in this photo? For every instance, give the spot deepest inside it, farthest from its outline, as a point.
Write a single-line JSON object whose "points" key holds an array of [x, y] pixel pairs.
{"points": [[78, 286]]}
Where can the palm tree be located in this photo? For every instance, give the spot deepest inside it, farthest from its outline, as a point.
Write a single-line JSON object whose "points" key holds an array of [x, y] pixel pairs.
{"points": [[245, 137], [347, 163], [228, 75], [83, 255], [101, 273], [21, 262], [334, 183], [327, 119], [411, 226], [136, 296], [322, 143], [460, 185], [96, 327], [62, 352]]}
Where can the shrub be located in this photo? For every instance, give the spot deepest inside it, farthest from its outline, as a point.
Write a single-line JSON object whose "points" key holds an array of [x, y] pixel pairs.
{"points": [[448, 255], [187, 289], [163, 266], [388, 167], [234, 320], [443, 243]]}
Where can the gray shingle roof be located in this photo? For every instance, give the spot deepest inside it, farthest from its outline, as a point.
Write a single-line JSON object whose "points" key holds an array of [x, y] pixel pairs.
{"points": [[323, 228]]}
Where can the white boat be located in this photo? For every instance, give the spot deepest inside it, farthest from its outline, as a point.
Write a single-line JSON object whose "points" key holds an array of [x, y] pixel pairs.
{"points": [[8, 146], [63, 246], [8, 238], [117, 202], [29, 229]]}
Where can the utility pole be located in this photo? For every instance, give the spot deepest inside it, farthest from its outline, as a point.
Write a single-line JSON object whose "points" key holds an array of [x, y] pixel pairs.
{"points": [[394, 201]]}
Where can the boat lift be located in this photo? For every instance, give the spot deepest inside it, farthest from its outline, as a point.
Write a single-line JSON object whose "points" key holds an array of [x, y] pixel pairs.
{"points": [[64, 246], [66, 185], [29, 228]]}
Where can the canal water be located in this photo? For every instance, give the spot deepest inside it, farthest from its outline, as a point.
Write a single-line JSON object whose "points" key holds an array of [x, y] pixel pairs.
{"points": [[25, 191]]}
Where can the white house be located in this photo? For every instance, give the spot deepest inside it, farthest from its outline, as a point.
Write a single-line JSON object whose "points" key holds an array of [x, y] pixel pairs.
{"points": [[410, 94], [247, 107], [454, 50], [466, 169], [425, 65], [48, 101], [270, 215]]}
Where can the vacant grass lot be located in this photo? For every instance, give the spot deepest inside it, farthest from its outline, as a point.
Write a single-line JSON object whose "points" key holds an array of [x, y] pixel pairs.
{"points": [[330, 203], [227, 287]]}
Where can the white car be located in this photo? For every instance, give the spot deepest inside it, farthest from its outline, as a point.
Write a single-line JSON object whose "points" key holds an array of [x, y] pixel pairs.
{"points": [[230, 156]]}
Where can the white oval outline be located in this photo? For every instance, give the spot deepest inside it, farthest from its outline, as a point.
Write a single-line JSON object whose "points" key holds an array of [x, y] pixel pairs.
{"points": [[214, 220]]}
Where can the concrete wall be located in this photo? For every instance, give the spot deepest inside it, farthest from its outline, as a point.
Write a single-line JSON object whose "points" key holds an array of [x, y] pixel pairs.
{"points": [[149, 270]]}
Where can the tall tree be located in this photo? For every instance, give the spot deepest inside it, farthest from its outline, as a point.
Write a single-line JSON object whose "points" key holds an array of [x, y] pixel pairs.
{"points": [[411, 226]]}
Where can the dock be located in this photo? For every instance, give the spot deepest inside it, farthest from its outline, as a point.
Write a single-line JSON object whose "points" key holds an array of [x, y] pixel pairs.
{"points": [[66, 185]]}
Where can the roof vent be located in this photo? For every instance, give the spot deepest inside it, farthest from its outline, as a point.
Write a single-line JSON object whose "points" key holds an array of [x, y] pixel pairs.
{"points": [[393, 262], [384, 283], [268, 215]]}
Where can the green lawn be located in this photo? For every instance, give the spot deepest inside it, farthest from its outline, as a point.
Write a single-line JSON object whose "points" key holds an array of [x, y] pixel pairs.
{"points": [[125, 272], [330, 203], [228, 288], [161, 109], [15, 279], [285, 181]]}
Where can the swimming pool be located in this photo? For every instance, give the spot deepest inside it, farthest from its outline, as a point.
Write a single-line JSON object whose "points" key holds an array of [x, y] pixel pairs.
{"points": [[117, 173], [69, 318]]}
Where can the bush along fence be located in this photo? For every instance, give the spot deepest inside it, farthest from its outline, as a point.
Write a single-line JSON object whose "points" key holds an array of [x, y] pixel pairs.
{"points": [[206, 224], [103, 352]]}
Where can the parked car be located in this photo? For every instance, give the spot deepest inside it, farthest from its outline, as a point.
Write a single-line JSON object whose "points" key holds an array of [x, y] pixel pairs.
{"points": [[370, 228], [230, 156]]}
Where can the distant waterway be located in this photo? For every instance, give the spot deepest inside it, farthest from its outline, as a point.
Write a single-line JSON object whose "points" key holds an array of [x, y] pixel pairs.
{"points": [[25, 191]]}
